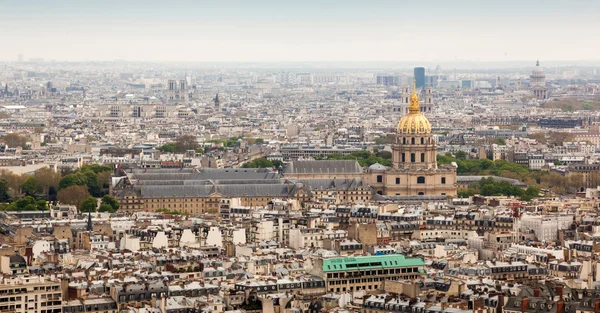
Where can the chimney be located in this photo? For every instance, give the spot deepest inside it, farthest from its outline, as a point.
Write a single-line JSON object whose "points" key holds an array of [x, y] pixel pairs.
{"points": [[525, 302], [536, 292], [560, 305], [559, 291], [163, 303], [596, 305], [500, 306]]}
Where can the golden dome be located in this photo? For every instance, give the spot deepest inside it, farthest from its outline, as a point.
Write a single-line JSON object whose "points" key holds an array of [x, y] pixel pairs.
{"points": [[414, 122]]}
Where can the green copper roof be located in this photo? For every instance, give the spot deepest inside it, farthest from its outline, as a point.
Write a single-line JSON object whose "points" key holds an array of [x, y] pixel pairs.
{"points": [[369, 262]]}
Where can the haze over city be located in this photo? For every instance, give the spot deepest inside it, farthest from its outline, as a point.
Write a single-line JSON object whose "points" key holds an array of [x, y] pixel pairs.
{"points": [[301, 31]]}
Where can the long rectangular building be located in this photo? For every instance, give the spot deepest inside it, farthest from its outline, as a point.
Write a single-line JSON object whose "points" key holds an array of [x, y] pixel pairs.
{"points": [[366, 272]]}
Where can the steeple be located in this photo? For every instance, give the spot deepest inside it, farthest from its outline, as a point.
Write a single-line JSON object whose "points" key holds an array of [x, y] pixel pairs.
{"points": [[414, 106], [89, 222], [217, 101], [537, 63]]}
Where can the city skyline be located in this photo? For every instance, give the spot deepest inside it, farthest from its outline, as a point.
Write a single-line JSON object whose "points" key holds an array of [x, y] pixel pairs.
{"points": [[269, 31]]}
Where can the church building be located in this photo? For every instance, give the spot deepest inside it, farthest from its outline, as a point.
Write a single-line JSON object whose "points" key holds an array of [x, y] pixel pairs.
{"points": [[414, 168]]}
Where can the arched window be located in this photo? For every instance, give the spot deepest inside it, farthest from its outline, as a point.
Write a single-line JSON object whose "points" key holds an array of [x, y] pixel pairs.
{"points": [[403, 157], [421, 193], [412, 140], [421, 180], [404, 140], [422, 140], [412, 158], [422, 157]]}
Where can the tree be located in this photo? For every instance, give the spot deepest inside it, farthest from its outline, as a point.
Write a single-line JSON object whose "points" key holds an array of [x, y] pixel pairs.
{"points": [[73, 195], [260, 140], [93, 183], [89, 205], [42, 205], [111, 201], [46, 178], [27, 204], [500, 141], [106, 208], [30, 186], [14, 140], [539, 137], [260, 162], [52, 193], [104, 180], [167, 147], [277, 163], [385, 154], [4, 194], [461, 155], [558, 138], [75, 179], [14, 182], [186, 142]]}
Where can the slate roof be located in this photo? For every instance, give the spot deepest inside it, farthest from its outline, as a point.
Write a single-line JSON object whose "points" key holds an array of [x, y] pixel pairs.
{"points": [[473, 179], [324, 167]]}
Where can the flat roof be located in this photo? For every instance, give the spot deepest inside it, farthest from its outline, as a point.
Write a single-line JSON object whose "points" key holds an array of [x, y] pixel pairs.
{"points": [[370, 262]]}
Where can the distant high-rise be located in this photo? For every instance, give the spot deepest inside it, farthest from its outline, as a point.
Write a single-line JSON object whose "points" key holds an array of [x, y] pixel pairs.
{"points": [[420, 76], [388, 80]]}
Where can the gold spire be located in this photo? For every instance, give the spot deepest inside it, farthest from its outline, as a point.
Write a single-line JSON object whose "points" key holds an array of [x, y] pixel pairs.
{"points": [[414, 100], [414, 122]]}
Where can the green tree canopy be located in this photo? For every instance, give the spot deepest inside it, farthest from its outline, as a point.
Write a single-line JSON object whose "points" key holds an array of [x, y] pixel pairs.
{"points": [[30, 187], [4, 192], [106, 208], [89, 205], [111, 201]]}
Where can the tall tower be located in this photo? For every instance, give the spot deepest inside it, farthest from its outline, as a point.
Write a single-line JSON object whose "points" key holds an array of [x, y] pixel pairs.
{"points": [[404, 99], [217, 102], [420, 76], [428, 101]]}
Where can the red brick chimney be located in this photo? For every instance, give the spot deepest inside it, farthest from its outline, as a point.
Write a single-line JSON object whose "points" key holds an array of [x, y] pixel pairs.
{"points": [[524, 303], [536, 292], [597, 305], [500, 307], [559, 291], [560, 306]]}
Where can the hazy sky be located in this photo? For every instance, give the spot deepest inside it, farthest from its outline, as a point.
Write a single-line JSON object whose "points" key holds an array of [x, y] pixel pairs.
{"points": [[300, 30]]}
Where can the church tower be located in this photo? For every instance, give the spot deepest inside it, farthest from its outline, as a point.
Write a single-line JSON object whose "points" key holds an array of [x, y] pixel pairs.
{"points": [[217, 103], [414, 170], [414, 145]]}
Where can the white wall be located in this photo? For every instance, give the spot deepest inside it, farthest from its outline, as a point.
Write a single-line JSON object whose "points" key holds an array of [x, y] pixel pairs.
{"points": [[214, 237], [160, 240]]}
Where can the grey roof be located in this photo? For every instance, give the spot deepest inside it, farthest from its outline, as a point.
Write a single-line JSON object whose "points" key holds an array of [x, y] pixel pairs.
{"points": [[324, 167], [237, 173], [472, 179], [331, 184], [204, 174]]}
